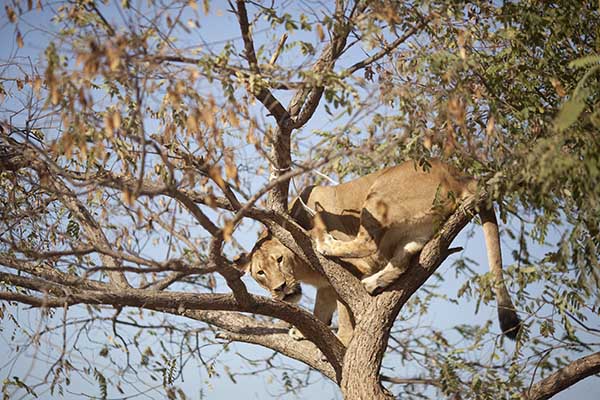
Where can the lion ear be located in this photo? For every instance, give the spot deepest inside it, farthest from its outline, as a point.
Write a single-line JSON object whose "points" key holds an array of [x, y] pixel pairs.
{"points": [[241, 262]]}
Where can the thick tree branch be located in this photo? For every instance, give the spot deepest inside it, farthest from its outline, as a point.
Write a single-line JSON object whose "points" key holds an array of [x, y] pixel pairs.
{"points": [[564, 378], [235, 326], [31, 300], [238, 326], [40, 285], [313, 329]]}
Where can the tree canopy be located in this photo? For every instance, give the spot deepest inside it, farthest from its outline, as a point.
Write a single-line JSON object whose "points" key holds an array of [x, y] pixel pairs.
{"points": [[143, 145]]}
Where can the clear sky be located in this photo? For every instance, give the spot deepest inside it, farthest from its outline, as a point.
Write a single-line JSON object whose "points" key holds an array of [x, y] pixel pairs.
{"points": [[195, 380]]}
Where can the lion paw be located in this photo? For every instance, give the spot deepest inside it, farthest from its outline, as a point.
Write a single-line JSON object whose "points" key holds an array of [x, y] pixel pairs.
{"points": [[296, 334], [371, 284], [324, 243]]}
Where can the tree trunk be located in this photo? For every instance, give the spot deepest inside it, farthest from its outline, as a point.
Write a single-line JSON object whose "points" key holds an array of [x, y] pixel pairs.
{"points": [[362, 361]]}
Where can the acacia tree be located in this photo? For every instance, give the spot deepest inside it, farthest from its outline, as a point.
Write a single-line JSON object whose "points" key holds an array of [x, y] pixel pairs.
{"points": [[135, 153]]}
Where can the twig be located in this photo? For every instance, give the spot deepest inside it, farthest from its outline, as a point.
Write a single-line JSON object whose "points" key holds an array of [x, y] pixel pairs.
{"points": [[280, 45]]}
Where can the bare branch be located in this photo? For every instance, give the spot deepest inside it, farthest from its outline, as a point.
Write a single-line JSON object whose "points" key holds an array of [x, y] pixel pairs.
{"points": [[167, 281], [277, 52], [240, 327], [196, 212], [25, 155], [257, 87], [48, 273], [410, 381], [231, 275], [388, 48], [31, 300]]}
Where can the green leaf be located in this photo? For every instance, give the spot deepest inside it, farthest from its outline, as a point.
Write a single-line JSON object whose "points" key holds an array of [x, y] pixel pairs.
{"points": [[102, 383], [569, 113], [585, 61], [528, 270], [73, 229]]}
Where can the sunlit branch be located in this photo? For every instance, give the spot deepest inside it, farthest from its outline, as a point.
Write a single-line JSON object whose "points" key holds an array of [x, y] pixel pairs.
{"points": [[564, 378]]}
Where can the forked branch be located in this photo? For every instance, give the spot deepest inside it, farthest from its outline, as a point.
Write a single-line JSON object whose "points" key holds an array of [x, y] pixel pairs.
{"points": [[257, 87]]}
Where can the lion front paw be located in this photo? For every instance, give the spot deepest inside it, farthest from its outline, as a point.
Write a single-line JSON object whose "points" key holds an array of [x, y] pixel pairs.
{"points": [[296, 334], [371, 284], [324, 244]]}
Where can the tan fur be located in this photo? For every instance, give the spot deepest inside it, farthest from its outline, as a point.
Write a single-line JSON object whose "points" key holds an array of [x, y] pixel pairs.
{"points": [[374, 224], [278, 270]]}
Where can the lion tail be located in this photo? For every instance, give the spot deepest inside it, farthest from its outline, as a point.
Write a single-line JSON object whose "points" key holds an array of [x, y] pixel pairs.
{"points": [[507, 315]]}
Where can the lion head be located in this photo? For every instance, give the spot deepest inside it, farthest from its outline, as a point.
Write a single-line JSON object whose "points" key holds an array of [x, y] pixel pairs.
{"points": [[273, 266]]}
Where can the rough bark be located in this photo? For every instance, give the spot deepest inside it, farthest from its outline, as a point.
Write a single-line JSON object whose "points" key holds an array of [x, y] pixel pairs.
{"points": [[564, 378], [365, 353]]}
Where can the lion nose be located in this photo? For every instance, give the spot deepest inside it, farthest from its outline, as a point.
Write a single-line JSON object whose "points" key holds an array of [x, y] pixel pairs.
{"points": [[280, 288]]}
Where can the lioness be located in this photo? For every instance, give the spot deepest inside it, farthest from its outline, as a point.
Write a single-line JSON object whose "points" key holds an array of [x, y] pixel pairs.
{"points": [[374, 224]]}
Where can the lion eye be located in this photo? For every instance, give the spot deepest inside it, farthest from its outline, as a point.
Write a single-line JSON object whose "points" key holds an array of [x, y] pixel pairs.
{"points": [[261, 273], [279, 259]]}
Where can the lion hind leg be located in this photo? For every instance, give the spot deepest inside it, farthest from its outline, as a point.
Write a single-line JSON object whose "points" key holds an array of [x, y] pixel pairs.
{"points": [[364, 243], [395, 267], [361, 246]]}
